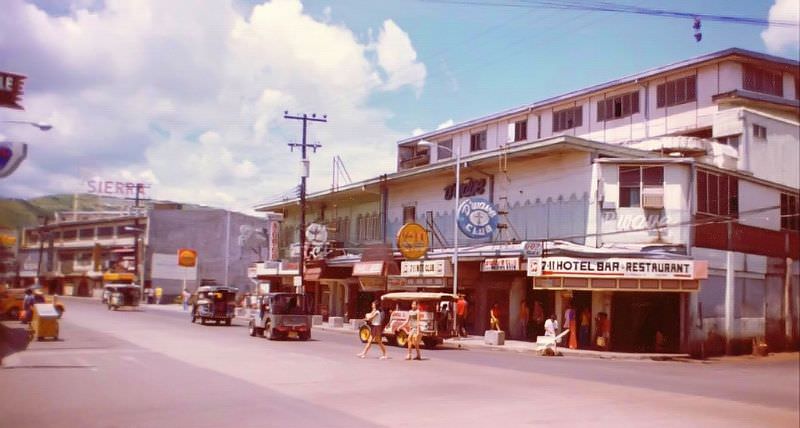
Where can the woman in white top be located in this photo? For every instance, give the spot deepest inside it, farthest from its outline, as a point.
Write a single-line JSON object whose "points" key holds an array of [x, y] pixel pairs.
{"points": [[375, 320]]}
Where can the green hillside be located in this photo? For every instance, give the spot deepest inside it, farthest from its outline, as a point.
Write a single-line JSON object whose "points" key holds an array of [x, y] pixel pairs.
{"points": [[19, 213]]}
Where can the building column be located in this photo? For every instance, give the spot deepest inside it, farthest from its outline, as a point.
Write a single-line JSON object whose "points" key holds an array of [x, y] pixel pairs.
{"points": [[730, 284]]}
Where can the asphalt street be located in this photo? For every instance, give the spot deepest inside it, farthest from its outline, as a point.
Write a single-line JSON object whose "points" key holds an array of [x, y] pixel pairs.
{"points": [[151, 368]]}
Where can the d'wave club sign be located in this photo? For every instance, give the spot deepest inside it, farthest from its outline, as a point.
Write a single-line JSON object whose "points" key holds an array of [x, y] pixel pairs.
{"points": [[477, 218], [11, 155]]}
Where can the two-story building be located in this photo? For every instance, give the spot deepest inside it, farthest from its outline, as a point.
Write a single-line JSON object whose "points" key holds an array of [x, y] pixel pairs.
{"points": [[70, 253], [661, 207]]}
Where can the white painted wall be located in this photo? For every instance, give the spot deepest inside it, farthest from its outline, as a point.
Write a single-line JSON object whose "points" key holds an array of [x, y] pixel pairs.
{"points": [[754, 196]]}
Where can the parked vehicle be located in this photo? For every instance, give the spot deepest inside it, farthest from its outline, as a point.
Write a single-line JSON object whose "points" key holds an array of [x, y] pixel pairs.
{"points": [[214, 303], [282, 316], [11, 301], [120, 295], [436, 317]]}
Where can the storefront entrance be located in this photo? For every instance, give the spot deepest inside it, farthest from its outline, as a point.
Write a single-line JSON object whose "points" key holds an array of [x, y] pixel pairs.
{"points": [[645, 322]]}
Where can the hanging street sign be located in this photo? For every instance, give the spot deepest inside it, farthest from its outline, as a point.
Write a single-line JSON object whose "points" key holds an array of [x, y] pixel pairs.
{"points": [[412, 241], [11, 90]]}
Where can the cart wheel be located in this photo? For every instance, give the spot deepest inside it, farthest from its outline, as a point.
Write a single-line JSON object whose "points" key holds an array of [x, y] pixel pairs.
{"points": [[305, 336], [363, 333], [401, 339], [268, 332]]}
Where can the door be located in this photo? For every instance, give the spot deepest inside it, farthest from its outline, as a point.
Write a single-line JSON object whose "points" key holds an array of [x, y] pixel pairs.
{"points": [[645, 322]]}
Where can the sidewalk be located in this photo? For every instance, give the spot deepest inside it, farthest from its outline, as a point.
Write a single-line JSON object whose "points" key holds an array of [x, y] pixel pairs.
{"points": [[477, 342]]}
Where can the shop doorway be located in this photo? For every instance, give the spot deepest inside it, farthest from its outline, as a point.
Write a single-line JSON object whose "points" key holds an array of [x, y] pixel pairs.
{"points": [[499, 297], [645, 322], [582, 303], [542, 304]]}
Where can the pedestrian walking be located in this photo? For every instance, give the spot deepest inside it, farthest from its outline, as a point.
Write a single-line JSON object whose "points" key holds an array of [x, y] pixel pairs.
{"points": [[411, 325], [524, 314], [27, 306], [583, 333], [185, 296], [375, 321]]}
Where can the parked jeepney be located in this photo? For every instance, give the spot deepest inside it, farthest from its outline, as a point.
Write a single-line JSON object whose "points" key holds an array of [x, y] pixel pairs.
{"points": [[281, 316], [123, 295], [436, 317], [214, 303]]}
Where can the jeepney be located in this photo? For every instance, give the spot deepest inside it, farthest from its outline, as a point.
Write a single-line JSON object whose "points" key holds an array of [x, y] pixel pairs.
{"points": [[214, 303], [436, 317], [281, 316]]}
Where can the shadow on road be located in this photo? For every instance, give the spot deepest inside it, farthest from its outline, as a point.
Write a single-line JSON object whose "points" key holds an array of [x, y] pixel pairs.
{"points": [[13, 338]]}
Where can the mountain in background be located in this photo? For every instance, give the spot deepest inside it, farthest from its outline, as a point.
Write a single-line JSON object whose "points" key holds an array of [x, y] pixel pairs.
{"points": [[19, 213]]}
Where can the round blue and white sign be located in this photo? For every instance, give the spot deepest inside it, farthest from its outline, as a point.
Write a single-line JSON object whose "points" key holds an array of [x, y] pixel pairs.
{"points": [[477, 218]]}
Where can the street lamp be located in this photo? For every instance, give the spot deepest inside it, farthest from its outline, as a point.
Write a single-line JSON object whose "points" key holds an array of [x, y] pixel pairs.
{"points": [[41, 125], [457, 153]]}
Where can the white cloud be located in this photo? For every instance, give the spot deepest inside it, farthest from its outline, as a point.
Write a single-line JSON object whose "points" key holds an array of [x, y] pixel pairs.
{"points": [[397, 57], [779, 39], [417, 131], [192, 98], [446, 124]]}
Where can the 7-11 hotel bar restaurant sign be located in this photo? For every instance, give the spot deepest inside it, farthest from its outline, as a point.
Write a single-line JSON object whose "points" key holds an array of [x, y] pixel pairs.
{"points": [[617, 273]]}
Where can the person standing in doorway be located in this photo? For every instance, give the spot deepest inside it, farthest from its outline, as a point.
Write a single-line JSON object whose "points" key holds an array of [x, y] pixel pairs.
{"points": [[571, 324], [185, 295], [583, 333], [538, 319], [159, 292], [375, 321], [494, 317], [523, 319]]}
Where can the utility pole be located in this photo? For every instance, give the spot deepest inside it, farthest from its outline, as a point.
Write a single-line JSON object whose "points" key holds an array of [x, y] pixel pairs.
{"points": [[304, 168]]}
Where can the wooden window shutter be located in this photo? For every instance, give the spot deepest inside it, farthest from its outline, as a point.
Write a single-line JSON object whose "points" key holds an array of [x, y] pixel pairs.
{"points": [[691, 88], [601, 110], [635, 102], [579, 116]]}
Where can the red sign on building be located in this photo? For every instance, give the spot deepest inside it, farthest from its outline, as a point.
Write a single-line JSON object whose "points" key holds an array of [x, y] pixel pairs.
{"points": [[11, 90]]}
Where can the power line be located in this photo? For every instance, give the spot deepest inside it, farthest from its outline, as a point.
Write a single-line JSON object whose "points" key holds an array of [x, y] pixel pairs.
{"points": [[618, 8]]}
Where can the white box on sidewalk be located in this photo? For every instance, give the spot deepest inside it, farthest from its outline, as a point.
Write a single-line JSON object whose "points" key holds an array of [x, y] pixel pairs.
{"points": [[316, 319], [494, 337], [335, 322], [355, 324]]}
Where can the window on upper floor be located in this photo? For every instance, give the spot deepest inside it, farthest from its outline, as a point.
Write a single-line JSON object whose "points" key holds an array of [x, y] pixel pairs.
{"points": [[338, 229], [86, 233], [69, 234], [717, 194], [641, 186], [759, 132], [444, 149], [105, 232], [413, 155], [409, 214], [477, 141], [31, 237], [675, 92], [790, 212], [618, 107], [730, 140], [521, 130], [567, 118], [762, 80], [368, 227]]}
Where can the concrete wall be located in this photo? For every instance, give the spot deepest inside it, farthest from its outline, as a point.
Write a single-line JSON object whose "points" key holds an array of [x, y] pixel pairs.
{"points": [[214, 234]]}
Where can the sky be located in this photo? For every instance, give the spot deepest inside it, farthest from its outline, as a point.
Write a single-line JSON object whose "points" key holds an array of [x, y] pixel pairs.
{"points": [[189, 96]]}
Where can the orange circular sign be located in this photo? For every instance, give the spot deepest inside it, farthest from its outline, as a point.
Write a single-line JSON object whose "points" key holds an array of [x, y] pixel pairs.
{"points": [[412, 241], [187, 257]]}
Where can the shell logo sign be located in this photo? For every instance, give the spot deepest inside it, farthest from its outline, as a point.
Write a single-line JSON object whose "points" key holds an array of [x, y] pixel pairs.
{"points": [[187, 257], [412, 241]]}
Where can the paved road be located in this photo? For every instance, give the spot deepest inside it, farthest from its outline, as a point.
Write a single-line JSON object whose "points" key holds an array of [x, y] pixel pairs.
{"points": [[151, 368]]}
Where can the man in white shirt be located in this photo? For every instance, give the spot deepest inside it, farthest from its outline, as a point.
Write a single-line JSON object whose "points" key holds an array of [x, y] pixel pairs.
{"points": [[551, 326]]}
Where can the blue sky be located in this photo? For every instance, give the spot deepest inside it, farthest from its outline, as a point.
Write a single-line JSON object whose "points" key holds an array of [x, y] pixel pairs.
{"points": [[189, 96]]}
